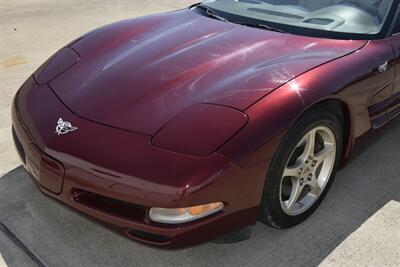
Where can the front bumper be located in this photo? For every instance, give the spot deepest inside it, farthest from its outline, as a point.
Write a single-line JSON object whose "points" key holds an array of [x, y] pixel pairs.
{"points": [[116, 176]]}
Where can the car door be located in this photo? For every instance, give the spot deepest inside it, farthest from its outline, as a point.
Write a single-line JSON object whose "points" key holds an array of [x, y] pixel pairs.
{"points": [[378, 85], [394, 107]]}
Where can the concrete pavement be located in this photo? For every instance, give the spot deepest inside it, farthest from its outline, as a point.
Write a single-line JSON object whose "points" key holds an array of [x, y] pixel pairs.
{"points": [[357, 225]]}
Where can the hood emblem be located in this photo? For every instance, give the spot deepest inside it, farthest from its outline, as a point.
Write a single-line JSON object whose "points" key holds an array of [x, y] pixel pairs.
{"points": [[64, 127]]}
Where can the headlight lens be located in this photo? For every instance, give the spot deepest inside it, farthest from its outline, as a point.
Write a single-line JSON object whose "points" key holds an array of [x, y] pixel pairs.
{"points": [[182, 215], [200, 130], [57, 64]]}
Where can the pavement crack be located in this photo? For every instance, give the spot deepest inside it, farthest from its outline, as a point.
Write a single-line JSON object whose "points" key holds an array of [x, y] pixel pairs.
{"points": [[18, 242]]}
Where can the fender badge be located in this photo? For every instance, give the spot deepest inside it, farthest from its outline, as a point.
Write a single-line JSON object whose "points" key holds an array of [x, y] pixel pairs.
{"points": [[383, 67]]}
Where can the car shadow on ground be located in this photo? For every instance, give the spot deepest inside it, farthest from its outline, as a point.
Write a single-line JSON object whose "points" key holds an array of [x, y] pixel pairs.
{"points": [[59, 236]]}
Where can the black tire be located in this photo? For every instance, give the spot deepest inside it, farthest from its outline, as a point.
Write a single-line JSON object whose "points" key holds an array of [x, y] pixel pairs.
{"points": [[271, 212]]}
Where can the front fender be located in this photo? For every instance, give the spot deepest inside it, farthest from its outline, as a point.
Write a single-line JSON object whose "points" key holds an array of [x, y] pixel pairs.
{"points": [[354, 80], [268, 121]]}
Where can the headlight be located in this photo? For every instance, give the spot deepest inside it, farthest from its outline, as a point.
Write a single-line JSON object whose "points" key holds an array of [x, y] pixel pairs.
{"points": [[200, 130], [182, 215], [57, 64]]}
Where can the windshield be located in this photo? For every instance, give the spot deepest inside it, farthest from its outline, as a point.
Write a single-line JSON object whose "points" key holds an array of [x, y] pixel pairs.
{"points": [[366, 17]]}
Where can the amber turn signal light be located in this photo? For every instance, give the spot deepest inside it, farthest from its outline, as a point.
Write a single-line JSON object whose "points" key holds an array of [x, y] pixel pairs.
{"points": [[182, 215]]}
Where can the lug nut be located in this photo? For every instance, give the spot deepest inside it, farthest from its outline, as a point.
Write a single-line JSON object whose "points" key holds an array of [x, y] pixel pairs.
{"points": [[314, 163], [309, 177]]}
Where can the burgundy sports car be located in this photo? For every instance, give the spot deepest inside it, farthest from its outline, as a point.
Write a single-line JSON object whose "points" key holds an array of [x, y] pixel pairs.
{"points": [[182, 127]]}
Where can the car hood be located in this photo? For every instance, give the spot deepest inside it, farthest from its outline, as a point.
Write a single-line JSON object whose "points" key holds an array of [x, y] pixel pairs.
{"points": [[138, 74]]}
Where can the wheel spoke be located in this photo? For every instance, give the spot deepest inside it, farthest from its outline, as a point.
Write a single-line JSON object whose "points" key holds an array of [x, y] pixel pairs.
{"points": [[315, 188], [295, 194], [292, 171], [310, 144], [322, 155]]}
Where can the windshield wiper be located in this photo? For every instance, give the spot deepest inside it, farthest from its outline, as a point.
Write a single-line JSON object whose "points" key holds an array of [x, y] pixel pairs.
{"points": [[262, 26], [211, 13]]}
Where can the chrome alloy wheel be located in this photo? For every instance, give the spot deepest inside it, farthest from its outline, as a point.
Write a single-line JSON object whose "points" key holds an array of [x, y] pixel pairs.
{"points": [[308, 170]]}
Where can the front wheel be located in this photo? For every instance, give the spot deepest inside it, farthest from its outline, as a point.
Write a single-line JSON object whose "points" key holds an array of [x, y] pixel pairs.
{"points": [[302, 169]]}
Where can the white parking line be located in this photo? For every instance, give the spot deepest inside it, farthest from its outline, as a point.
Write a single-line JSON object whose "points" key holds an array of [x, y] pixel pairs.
{"points": [[2, 262], [375, 243]]}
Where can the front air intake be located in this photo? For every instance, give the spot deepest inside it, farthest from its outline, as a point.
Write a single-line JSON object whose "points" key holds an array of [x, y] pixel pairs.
{"points": [[110, 206], [148, 237]]}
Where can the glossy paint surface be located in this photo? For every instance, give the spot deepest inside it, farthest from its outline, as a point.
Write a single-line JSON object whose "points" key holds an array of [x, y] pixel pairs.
{"points": [[139, 74], [177, 110]]}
